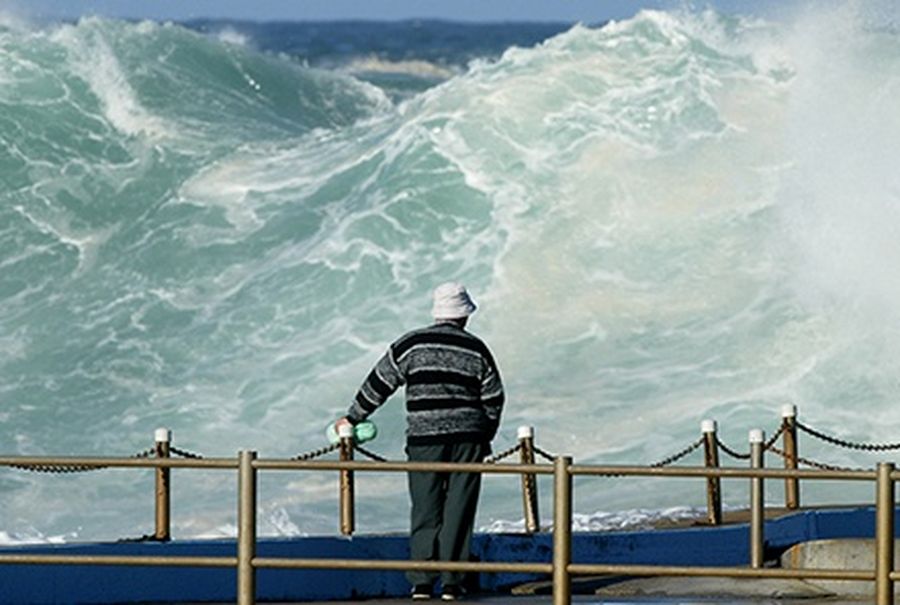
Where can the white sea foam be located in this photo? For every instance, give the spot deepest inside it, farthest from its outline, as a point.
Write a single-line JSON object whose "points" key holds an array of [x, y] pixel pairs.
{"points": [[33, 537], [230, 35], [92, 58], [841, 195], [422, 69], [623, 520]]}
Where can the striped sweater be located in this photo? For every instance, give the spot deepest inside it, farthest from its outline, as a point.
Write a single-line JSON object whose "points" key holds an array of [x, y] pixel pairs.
{"points": [[453, 388]]}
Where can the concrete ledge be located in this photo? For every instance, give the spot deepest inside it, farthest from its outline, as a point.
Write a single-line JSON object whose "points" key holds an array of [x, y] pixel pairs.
{"points": [[762, 588], [846, 553]]}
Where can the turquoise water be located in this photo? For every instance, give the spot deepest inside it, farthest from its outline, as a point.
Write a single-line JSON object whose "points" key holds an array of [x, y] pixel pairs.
{"points": [[670, 218]]}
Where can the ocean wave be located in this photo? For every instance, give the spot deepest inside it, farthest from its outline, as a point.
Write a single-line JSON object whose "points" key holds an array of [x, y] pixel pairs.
{"points": [[674, 217]]}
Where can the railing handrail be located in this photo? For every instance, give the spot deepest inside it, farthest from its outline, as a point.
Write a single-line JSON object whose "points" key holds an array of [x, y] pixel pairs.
{"points": [[143, 560], [277, 464], [725, 472]]}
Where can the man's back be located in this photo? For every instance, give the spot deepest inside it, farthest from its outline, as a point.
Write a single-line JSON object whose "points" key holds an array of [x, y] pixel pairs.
{"points": [[453, 388]]}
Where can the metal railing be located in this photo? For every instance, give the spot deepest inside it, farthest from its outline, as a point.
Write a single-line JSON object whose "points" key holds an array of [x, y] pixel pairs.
{"points": [[561, 568]]}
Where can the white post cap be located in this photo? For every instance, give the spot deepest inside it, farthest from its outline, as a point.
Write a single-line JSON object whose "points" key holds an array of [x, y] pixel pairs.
{"points": [[757, 436], [345, 431], [525, 432], [789, 410], [162, 435], [708, 426]]}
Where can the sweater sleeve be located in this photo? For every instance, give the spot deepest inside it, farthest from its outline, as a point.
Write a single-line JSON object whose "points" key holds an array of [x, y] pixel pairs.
{"points": [[384, 379], [492, 396]]}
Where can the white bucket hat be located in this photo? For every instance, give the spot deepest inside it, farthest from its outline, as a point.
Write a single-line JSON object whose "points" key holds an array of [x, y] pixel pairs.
{"points": [[451, 301]]}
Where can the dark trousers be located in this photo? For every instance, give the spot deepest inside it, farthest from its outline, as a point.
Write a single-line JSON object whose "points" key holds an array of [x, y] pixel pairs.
{"points": [[443, 508]]}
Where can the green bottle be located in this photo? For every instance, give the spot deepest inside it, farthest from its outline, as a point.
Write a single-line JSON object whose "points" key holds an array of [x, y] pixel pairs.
{"points": [[362, 432]]}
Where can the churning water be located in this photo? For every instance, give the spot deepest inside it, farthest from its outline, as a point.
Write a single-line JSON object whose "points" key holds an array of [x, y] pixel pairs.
{"points": [[675, 217]]}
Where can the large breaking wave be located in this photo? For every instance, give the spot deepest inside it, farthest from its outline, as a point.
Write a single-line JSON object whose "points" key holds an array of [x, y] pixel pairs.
{"points": [[674, 217]]}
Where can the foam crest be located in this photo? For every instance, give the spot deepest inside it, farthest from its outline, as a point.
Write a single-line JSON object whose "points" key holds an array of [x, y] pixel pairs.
{"points": [[93, 59], [423, 69], [230, 35]]}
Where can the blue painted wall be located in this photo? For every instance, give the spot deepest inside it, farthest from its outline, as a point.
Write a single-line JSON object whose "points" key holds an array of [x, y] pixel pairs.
{"points": [[722, 546]]}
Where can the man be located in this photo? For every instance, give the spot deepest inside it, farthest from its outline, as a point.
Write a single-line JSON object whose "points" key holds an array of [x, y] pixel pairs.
{"points": [[454, 397]]}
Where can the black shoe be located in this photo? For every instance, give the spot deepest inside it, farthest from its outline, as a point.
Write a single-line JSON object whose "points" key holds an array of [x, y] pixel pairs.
{"points": [[421, 592], [451, 592]]}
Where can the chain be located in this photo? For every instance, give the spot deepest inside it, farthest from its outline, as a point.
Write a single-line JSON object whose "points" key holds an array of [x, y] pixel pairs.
{"points": [[679, 455], [768, 445], [545, 455], [62, 469], [503, 454], [731, 452], [336, 446], [57, 468], [771, 442], [808, 462], [871, 447], [184, 454], [319, 452], [368, 454]]}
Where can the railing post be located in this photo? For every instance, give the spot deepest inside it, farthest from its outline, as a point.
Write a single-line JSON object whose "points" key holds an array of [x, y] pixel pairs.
{"points": [[347, 496], [757, 503], [791, 484], [162, 437], [562, 530], [884, 534], [529, 480], [713, 484], [246, 539]]}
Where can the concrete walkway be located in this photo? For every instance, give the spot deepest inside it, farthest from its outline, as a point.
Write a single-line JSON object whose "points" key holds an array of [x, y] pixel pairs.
{"points": [[603, 600]]}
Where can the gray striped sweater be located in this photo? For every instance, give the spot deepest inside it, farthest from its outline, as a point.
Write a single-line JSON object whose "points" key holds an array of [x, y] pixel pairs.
{"points": [[453, 388]]}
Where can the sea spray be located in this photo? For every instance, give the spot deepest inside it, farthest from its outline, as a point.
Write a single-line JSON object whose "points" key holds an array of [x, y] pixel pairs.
{"points": [[652, 216]]}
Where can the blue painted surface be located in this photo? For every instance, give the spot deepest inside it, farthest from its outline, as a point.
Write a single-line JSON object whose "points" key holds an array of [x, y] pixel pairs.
{"points": [[720, 546]]}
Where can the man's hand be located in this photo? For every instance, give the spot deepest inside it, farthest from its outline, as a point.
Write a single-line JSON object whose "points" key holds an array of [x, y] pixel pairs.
{"points": [[341, 422]]}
